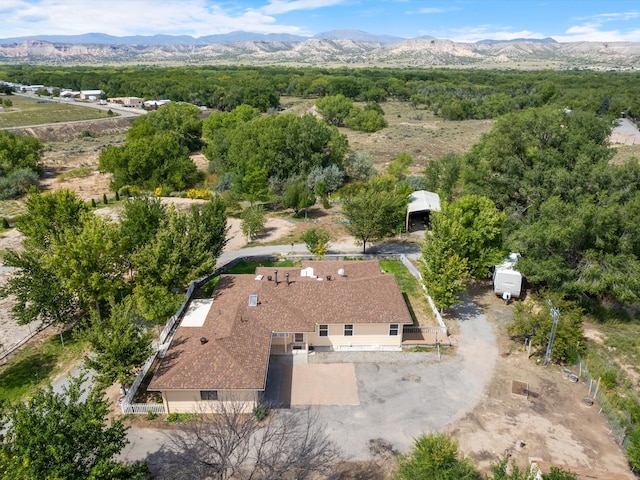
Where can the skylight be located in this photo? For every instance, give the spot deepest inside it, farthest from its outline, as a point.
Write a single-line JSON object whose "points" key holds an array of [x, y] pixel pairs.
{"points": [[253, 300]]}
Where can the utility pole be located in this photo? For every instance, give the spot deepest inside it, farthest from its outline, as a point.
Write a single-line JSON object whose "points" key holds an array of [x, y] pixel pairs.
{"points": [[555, 313]]}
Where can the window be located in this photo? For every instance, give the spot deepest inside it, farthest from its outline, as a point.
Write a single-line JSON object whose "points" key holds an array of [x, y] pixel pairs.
{"points": [[323, 330], [393, 330], [348, 330], [298, 337], [208, 395]]}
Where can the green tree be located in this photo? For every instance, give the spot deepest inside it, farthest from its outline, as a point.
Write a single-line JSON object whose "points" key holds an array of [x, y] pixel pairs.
{"points": [[218, 121], [19, 151], [533, 320], [253, 221], [399, 168], [481, 224], [180, 120], [90, 263], [334, 109], [185, 246], [436, 457], [374, 213], [149, 162], [31, 286], [253, 184], [49, 214], [316, 241], [155, 302], [444, 268], [63, 435], [369, 119], [298, 196], [140, 220], [119, 344]]}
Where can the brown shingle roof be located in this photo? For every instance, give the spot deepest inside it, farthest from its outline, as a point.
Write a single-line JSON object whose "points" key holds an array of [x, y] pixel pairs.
{"points": [[236, 353]]}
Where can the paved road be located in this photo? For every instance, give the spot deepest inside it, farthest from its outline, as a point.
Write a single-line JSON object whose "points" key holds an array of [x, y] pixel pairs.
{"points": [[411, 250]]}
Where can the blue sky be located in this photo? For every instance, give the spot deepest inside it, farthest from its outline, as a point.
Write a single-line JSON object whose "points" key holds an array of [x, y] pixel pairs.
{"points": [[459, 20]]}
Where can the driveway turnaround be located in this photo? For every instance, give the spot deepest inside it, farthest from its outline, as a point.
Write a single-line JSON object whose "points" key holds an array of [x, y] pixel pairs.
{"points": [[400, 395]]}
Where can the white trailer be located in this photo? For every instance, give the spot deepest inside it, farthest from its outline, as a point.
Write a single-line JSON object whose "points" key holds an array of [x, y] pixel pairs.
{"points": [[507, 282]]}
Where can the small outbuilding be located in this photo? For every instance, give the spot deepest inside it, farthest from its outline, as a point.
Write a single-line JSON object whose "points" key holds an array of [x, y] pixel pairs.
{"points": [[421, 204]]}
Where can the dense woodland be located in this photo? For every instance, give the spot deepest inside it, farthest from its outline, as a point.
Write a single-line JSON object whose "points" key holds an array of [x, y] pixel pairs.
{"points": [[452, 94], [541, 183]]}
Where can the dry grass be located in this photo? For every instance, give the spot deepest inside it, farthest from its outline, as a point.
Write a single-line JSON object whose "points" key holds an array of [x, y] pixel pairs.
{"points": [[624, 153]]}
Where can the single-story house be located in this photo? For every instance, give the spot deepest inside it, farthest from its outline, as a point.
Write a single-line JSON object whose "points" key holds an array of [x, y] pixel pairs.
{"points": [[322, 305], [421, 204], [90, 94], [155, 104], [134, 102]]}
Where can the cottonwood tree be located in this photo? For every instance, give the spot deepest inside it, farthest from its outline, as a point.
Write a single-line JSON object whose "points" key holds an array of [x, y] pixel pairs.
{"points": [[185, 247], [232, 443], [119, 344], [298, 196], [253, 220], [374, 212], [316, 241], [358, 166], [63, 435], [91, 263]]}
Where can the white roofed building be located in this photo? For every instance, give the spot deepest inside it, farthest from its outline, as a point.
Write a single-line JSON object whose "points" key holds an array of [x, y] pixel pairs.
{"points": [[421, 204]]}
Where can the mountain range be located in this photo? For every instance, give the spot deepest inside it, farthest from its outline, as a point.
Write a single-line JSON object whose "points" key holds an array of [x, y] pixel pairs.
{"points": [[335, 48]]}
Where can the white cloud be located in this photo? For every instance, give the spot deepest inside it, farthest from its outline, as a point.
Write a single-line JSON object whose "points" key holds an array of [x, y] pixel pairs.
{"points": [[592, 29], [276, 7], [484, 32], [431, 10], [128, 17]]}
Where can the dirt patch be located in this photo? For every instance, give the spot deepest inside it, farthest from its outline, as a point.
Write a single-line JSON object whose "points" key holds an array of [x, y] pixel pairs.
{"points": [[551, 422]]}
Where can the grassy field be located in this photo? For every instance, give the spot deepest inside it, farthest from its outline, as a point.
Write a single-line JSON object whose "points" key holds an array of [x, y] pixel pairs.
{"points": [[624, 153], [37, 364], [28, 111], [421, 133]]}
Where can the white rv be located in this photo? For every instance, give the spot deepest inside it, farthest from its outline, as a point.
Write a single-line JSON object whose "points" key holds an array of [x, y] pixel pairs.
{"points": [[507, 282]]}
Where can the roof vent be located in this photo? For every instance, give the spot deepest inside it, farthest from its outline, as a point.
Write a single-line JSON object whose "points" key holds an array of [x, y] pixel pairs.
{"points": [[341, 272], [203, 340], [329, 278]]}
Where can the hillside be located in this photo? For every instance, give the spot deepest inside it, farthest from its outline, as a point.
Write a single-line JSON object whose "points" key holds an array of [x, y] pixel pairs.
{"points": [[416, 52]]}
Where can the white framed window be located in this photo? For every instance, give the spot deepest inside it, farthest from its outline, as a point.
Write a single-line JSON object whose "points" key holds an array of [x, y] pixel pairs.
{"points": [[393, 330], [323, 330], [348, 330], [208, 395]]}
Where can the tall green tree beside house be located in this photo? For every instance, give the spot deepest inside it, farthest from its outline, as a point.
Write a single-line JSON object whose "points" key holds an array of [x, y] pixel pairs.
{"points": [[63, 435]]}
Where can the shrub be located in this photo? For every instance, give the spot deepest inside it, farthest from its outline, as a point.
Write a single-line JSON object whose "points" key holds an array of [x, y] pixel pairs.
{"points": [[260, 412], [104, 198], [201, 194], [117, 197], [151, 415], [93, 203], [5, 223], [18, 183]]}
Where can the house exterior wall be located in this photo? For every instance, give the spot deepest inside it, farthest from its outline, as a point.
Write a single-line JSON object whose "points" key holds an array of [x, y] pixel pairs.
{"points": [[188, 401], [364, 335]]}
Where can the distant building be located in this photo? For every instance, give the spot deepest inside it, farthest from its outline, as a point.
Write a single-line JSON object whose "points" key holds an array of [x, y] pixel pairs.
{"points": [[133, 102], [155, 104], [91, 95]]}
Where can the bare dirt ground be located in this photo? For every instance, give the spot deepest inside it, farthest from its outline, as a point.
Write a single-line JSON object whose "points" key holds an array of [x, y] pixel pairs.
{"points": [[553, 422]]}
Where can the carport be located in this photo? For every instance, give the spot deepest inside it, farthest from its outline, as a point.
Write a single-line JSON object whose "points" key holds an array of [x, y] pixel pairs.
{"points": [[421, 204]]}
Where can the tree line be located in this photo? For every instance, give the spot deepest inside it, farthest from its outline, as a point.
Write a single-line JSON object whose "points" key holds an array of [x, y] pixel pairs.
{"points": [[452, 94]]}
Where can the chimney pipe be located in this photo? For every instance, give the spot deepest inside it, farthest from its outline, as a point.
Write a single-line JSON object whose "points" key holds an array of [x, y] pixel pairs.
{"points": [[276, 274], [287, 275]]}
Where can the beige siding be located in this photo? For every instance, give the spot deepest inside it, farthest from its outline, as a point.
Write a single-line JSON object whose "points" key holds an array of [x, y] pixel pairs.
{"points": [[369, 335], [188, 401]]}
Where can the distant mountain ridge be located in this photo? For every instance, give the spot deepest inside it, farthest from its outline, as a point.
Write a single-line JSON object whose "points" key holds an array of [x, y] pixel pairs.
{"points": [[238, 36], [415, 52]]}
